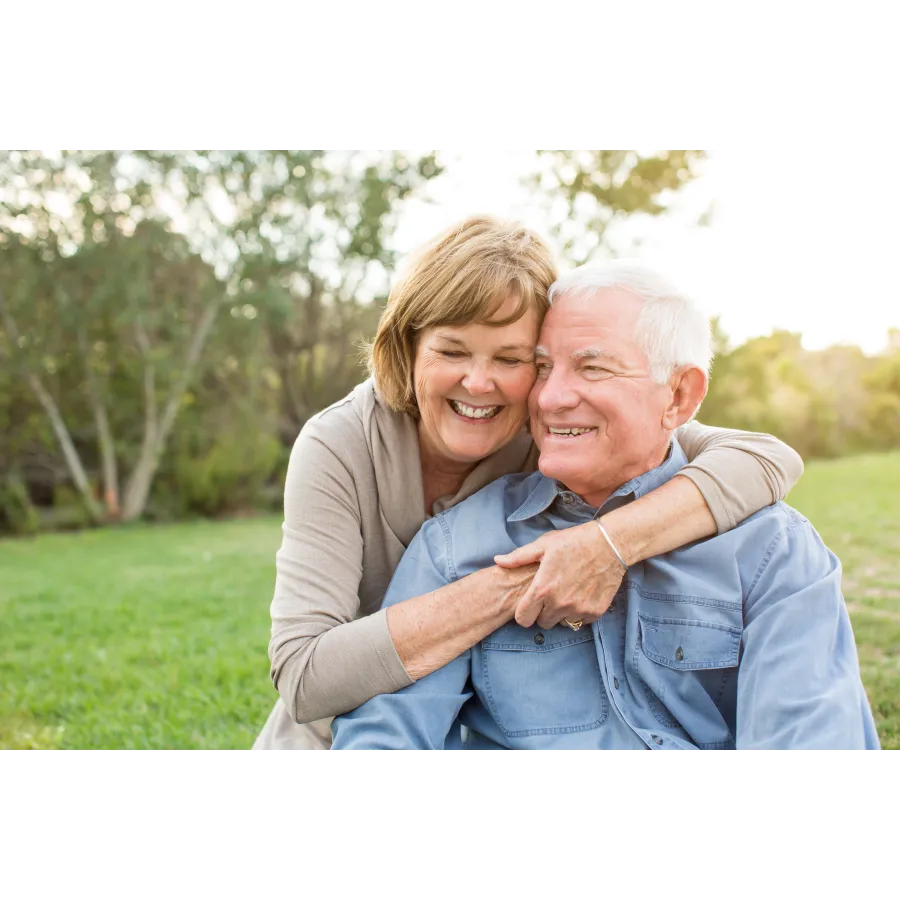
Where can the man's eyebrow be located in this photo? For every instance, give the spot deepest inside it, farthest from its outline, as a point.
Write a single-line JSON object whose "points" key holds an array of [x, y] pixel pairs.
{"points": [[596, 353], [541, 351]]}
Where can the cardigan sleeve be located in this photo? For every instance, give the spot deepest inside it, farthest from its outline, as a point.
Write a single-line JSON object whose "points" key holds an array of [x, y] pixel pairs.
{"points": [[325, 661], [738, 472]]}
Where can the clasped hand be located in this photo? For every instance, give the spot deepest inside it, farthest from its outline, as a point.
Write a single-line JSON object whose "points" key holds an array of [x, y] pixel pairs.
{"points": [[577, 578]]}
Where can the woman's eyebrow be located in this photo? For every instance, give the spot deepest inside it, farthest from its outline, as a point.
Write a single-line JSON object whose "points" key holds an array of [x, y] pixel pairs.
{"points": [[528, 348]]}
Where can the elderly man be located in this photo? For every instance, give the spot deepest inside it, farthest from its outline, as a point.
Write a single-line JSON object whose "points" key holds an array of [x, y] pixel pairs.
{"points": [[741, 640]]}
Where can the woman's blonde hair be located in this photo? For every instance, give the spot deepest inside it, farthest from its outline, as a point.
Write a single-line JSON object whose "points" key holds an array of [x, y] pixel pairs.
{"points": [[464, 277]]}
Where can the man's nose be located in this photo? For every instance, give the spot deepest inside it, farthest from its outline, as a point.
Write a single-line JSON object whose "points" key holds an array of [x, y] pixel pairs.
{"points": [[556, 392], [478, 379]]}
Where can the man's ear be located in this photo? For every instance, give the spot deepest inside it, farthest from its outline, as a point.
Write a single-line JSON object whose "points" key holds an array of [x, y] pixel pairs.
{"points": [[689, 385]]}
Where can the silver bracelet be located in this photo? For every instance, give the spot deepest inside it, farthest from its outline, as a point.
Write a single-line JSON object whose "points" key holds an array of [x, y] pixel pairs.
{"points": [[612, 545]]}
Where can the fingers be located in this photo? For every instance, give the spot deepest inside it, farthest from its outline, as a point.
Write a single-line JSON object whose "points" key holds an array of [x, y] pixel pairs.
{"points": [[523, 556], [528, 608]]}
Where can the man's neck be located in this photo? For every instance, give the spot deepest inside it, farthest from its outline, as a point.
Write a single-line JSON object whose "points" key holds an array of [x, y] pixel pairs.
{"points": [[598, 496]]}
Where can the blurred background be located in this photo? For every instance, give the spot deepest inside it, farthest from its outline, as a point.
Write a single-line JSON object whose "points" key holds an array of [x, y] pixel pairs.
{"points": [[169, 320]]}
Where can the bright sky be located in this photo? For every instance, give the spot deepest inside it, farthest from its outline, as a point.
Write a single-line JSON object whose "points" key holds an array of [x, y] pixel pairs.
{"points": [[800, 240]]}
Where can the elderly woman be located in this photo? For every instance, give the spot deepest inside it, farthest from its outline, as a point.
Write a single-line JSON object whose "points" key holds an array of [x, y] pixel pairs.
{"points": [[445, 414]]}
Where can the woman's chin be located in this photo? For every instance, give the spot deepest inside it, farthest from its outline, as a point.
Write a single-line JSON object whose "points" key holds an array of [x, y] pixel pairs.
{"points": [[474, 449]]}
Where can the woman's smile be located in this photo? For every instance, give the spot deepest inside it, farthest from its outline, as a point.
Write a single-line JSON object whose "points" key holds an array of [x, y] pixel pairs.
{"points": [[472, 414]]}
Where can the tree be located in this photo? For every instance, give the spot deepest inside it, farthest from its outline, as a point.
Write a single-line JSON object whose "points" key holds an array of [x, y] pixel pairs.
{"points": [[591, 191], [116, 267]]}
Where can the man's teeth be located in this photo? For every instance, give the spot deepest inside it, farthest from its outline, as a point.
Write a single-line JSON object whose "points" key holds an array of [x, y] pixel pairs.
{"points": [[470, 412], [569, 430]]}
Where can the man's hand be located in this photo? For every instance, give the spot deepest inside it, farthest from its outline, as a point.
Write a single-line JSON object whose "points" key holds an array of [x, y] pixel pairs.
{"points": [[577, 578]]}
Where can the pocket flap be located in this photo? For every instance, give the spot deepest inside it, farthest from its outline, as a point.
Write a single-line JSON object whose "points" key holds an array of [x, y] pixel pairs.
{"points": [[689, 643]]}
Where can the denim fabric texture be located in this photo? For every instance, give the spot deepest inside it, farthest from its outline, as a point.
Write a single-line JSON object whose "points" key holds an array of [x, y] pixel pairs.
{"points": [[738, 641]]}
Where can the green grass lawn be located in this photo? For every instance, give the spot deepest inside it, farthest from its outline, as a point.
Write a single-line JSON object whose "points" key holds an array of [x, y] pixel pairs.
{"points": [[149, 637]]}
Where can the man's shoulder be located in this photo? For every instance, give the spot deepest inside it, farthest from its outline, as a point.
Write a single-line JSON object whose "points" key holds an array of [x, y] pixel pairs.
{"points": [[768, 524]]}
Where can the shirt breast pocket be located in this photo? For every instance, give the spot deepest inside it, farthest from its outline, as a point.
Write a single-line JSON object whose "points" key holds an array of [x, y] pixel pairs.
{"points": [[685, 666], [543, 681]]}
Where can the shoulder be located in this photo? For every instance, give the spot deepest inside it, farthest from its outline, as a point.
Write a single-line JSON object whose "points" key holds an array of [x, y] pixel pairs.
{"points": [[330, 448], [771, 523], [779, 549], [340, 422]]}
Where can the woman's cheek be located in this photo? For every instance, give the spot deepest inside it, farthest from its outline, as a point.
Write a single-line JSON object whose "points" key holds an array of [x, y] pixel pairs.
{"points": [[523, 384]]}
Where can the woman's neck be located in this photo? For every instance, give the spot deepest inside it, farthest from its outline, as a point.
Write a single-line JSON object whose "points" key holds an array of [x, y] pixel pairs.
{"points": [[440, 476]]}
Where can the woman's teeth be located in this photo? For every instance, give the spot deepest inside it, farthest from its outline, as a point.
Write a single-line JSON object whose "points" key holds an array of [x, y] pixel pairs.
{"points": [[569, 431], [471, 412]]}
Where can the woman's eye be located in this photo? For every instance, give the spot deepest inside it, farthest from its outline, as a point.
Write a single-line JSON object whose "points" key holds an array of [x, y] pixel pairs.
{"points": [[510, 361], [452, 354]]}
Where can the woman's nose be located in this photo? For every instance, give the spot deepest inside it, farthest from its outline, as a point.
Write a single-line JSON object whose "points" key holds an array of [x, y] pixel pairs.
{"points": [[478, 380]]}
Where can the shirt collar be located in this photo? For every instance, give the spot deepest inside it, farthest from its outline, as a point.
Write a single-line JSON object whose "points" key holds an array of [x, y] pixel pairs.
{"points": [[545, 490]]}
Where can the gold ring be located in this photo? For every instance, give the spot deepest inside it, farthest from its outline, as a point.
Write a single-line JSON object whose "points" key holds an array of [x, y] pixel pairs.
{"points": [[574, 625]]}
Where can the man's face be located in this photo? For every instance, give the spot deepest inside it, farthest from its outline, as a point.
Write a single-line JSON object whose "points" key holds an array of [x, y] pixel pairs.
{"points": [[595, 379]]}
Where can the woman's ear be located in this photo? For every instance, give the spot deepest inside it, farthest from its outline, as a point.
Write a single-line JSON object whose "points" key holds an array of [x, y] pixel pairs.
{"points": [[689, 385]]}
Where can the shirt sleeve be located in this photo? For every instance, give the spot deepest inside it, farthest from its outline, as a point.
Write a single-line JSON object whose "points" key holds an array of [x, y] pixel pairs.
{"points": [[324, 659], [420, 716], [799, 685], [738, 472]]}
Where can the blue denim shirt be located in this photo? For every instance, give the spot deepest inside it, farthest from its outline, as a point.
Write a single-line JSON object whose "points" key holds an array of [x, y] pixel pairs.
{"points": [[742, 640]]}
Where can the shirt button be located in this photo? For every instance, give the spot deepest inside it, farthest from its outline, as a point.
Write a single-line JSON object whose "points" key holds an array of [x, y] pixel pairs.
{"points": [[539, 639], [612, 607], [656, 738], [679, 654], [616, 683], [567, 498]]}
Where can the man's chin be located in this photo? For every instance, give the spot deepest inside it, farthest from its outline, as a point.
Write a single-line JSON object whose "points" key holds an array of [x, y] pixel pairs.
{"points": [[553, 468]]}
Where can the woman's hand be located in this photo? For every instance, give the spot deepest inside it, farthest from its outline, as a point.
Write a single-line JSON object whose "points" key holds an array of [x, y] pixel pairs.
{"points": [[577, 578]]}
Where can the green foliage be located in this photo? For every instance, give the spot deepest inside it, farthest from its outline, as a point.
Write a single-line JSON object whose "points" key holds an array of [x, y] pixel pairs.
{"points": [[594, 190], [229, 476], [127, 277], [16, 509], [824, 403]]}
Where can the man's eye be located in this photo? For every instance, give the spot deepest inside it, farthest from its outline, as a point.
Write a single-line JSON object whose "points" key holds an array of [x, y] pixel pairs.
{"points": [[598, 370], [543, 370]]}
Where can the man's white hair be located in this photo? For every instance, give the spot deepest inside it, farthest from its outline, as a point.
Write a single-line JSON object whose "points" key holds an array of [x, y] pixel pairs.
{"points": [[671, 330]]}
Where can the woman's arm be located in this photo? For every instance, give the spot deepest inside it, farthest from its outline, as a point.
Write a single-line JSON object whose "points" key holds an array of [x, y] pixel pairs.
{"points": [[325, 660], [737, 472], [730, 475]]}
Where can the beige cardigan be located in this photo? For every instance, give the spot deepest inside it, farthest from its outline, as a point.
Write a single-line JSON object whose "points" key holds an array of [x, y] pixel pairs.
{"points": [[353, 501]]}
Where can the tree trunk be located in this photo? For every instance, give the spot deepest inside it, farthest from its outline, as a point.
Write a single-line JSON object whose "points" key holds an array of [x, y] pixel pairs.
{"points": [[156, 434], [73, 460], [104, 438]]}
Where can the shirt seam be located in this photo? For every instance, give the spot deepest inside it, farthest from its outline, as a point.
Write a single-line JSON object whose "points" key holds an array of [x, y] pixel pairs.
{"points": [[770, 552], [448, 545]]}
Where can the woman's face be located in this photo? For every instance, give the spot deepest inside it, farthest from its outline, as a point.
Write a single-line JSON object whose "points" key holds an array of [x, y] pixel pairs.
{"points": [[472, 384]]}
